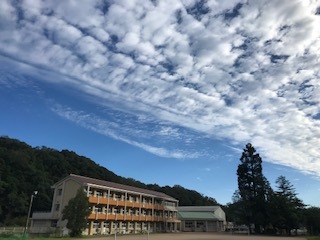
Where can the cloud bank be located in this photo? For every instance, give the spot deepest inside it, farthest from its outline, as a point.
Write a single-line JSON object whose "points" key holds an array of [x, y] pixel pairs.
{"points": [[235, 70]]}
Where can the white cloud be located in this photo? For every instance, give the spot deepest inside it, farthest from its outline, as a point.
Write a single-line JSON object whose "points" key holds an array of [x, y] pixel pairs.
{"points": [[241, 72]]}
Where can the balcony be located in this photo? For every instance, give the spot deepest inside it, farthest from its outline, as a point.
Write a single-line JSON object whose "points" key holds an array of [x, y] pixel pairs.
{"points": [[113, 202]]}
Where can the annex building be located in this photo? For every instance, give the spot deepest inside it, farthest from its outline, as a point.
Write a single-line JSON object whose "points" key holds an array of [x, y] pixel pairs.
{"points": [[202, 219], [116, 208]]}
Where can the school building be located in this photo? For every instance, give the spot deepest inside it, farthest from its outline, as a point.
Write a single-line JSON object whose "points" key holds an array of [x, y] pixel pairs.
{"points": [[115, 208]]}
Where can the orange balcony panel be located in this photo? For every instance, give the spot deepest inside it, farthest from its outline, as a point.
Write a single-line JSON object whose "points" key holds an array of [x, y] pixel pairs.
{"points": [[93, 199], [149, 206], [103, 201], [101, 216], [135, 218], [146, 218], [112, 202], [120, 217], [98, 216], [146, 206], [129, 204], [158, 207], [111, 217], [121, 203]]}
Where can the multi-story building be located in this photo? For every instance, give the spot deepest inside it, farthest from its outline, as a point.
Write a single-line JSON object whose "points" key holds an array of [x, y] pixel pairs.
{"points": [[116, 208]]}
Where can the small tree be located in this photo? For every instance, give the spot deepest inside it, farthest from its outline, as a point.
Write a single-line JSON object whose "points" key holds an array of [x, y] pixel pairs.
{"points": [[77, 212]]}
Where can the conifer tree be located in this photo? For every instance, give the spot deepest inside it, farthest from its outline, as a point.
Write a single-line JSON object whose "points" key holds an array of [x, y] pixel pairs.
{"points": [[286, 207], [254, 189]]}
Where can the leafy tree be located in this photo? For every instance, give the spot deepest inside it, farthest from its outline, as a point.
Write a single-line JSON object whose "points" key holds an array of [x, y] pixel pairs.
{"points": [[77, 212], [235, 211], [312, 217], [286, 207], [254, 189]]}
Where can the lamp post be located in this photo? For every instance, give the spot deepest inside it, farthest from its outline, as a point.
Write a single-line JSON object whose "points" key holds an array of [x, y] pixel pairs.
{"points": [[29, 211]]}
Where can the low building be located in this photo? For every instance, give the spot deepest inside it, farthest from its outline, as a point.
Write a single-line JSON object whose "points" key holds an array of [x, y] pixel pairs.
{"points": [[201, 219], [116, 208]]}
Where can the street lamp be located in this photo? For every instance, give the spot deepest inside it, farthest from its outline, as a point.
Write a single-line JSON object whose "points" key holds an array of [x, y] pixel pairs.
{"points": [[29, 212]]}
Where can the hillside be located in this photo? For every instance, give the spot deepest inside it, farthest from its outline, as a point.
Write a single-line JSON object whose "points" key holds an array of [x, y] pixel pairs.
{"points": [[24, 169]]}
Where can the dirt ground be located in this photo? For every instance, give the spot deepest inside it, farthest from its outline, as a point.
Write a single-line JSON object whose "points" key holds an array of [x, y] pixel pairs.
{"points": [[196, 236]]}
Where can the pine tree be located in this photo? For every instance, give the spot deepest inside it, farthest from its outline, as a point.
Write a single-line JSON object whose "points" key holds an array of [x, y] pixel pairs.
{"points": [[254, 189], [286, 207]]}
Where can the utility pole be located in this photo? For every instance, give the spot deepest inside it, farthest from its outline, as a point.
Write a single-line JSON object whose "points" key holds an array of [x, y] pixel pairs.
{"points": [[29, 212]]}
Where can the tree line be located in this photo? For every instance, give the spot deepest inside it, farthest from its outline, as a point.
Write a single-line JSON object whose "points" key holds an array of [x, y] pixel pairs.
{"points": [[24, 169], [263, 209]]}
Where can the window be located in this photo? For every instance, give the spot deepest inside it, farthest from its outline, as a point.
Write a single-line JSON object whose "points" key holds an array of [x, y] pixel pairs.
{"points": [[98, 209], [57, 207], [188, 224], [95, 224], [54, 223], [145, 225], [171, 204], [118, 196], [106, 224], [200, 224], [59, 191], [98, 194], [116, 210], [131, 225]]}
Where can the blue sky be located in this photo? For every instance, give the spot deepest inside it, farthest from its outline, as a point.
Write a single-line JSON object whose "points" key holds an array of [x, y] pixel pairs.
{"points": [[168, 92]]}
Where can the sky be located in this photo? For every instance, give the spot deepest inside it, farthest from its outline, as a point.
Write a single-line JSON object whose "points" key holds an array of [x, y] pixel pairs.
{"points": [[168, 92]]}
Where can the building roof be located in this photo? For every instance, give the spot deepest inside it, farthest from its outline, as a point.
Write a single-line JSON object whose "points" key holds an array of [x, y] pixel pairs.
{"points": [[101, 183], [198, 208], [201, 212], [196, 216]]}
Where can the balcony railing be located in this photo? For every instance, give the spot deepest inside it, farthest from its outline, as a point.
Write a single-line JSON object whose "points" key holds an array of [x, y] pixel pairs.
{"points": [[121, 203]]}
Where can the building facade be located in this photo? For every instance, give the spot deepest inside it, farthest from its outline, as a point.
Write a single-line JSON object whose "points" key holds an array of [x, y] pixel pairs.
{"points": [[201, 219], [115, 208]]}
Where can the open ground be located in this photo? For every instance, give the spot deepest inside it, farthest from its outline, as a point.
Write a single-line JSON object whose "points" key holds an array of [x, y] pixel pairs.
{"points": [[197, 236]]}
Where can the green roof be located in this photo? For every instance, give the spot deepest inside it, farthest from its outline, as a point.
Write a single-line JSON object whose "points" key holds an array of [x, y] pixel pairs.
{"points": [[196, 216]]}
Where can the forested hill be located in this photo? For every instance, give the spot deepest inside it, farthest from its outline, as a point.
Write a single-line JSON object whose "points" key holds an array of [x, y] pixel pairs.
{"points": [[24, 169]]}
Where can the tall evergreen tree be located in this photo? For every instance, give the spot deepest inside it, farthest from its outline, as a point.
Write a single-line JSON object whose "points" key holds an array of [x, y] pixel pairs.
{"points": [[286, 207], [77, 212], [254, 189]]}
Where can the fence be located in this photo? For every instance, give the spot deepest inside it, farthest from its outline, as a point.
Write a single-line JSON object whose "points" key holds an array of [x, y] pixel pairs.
{"points": [[13, 233]]}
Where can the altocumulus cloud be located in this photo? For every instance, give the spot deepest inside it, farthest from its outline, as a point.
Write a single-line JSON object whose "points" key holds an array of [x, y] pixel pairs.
{"points": [[236, 70]]}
